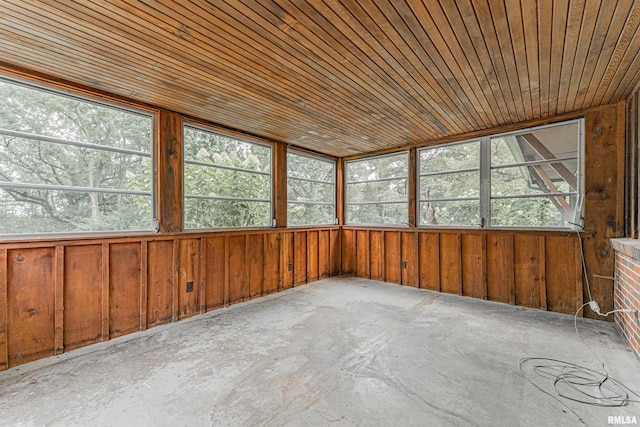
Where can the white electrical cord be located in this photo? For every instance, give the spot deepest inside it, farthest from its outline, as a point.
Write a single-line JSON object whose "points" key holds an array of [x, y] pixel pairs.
{"points": [[584, 267], [594, 304]]}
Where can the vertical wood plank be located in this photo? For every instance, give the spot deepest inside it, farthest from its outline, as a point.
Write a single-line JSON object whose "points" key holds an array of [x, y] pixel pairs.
{"points": [[560, 274], [579, 278], [105, 292], [255, 260], [347, 249], [383, 248], [308, 257], [474, 274], [542, 266], [286, 254], [450, 263], [410, 256], [392, 257], [368, 252], [227, 272], [500, 268], [604, 197], [4, 315], [340, 191], [528, 275], [280, 184], [188, 277], [160, 282], [175, 272], [237, 272], [413, 176], [376, 261], [362, 254], [215, 272], [429, 258], [335, 252], [312, 256], [169, 178], [271, 263], [202, 285], [324, 253], [124, 288], [144, 252], [59, 300], [300, 257], [82, 295], [31, 305]]}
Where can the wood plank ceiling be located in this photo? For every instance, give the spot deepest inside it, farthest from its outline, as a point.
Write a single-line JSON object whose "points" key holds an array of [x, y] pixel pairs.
{"points": [[338, 76]]}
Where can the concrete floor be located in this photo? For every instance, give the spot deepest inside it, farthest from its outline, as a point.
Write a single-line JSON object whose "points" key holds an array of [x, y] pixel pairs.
{"points": [[338, 352]]}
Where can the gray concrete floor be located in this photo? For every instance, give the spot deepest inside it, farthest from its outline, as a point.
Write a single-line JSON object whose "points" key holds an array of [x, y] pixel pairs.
{"points": [[338, 352]]}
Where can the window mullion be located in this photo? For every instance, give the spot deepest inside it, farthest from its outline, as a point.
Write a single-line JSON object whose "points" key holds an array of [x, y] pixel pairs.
{"points": [[485, 182]]}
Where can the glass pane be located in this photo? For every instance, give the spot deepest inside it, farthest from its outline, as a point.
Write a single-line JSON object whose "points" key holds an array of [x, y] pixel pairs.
{"points": [[463, 213], [450, 157], [209, 147], [541, 144], [452, 185], [301, 214], [211, 181], [309, 167], [534, 179], [43, 211], [533, 212], [37, 162], [372, 168], [223, 213], [305, 191], [396, 213], [40, 112], [377, 191]]}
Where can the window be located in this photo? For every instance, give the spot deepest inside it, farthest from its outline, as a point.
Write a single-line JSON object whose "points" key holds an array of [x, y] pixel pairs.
{"points": [[72, 165], [525, 179], [310, 190], [377, 189], [449, 185], [227, 181], [535, 177]]}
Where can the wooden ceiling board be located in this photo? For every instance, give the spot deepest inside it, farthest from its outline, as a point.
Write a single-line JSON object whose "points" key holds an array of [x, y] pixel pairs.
{"points": [[341, 77]]}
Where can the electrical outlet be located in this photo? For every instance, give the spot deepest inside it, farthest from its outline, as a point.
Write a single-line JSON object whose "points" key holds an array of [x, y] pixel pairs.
{"points": [[290, 266], [404, 263], [189, 286]]}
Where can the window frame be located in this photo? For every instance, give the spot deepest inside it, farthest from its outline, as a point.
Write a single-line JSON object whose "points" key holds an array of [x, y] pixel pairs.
{"points": [[346, 183], [333, 183], [485, 168], [241, 138], [105, 102]]}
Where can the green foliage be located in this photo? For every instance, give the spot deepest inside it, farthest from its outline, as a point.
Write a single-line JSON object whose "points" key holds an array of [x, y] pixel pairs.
{"points": [[221, 186], [439, 162], [310, 202], [30, 161], [393, 170]]}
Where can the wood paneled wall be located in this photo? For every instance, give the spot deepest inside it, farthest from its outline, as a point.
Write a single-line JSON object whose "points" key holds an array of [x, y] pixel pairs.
{"points": [[57, 296], [540, 270]]}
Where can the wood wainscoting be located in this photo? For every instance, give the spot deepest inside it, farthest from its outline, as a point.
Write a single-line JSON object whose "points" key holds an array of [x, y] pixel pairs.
{"points": [[56, 296], [534, 269]]}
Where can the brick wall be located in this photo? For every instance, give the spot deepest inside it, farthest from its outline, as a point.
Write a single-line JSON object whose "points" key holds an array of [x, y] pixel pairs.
{"points": [[626, 292]]}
